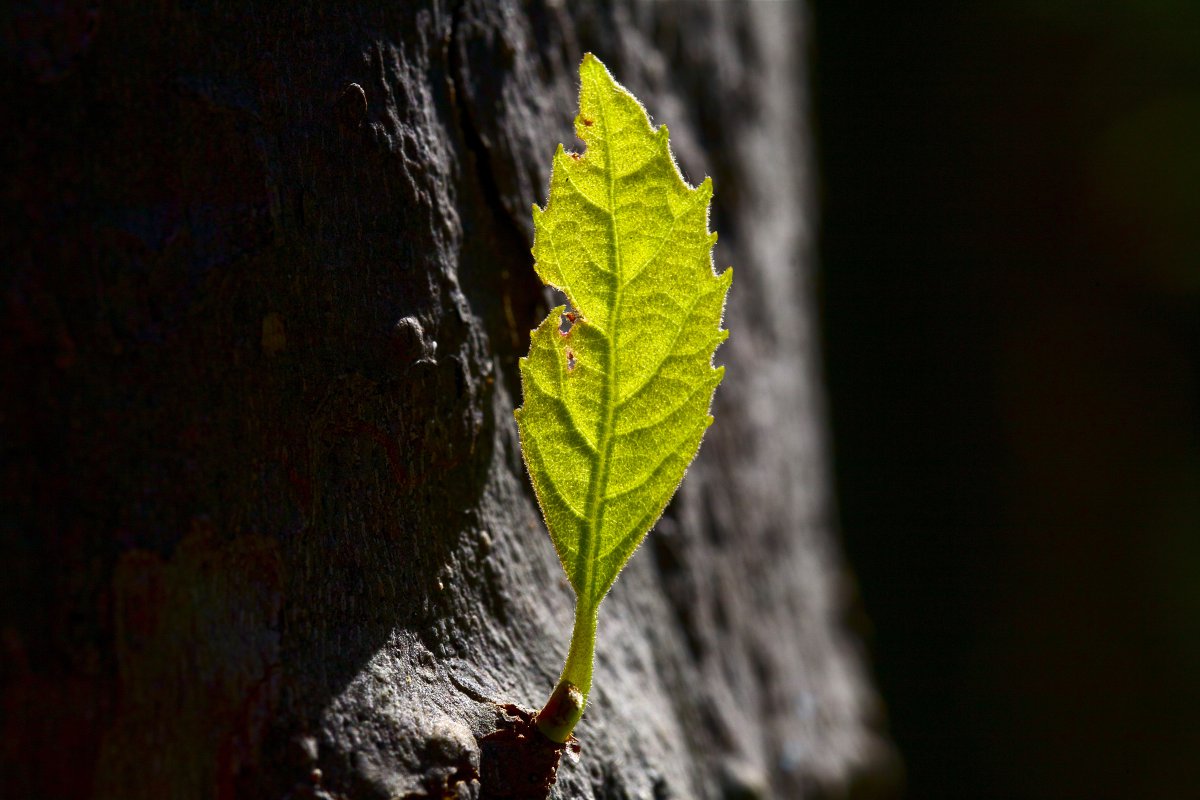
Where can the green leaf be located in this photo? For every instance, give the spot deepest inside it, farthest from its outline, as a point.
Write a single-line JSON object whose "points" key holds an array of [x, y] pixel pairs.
{"points": [[615, 407]]}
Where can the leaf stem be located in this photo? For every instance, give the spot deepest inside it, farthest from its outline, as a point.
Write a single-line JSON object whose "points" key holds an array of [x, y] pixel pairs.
{"points": [[557, 718]]}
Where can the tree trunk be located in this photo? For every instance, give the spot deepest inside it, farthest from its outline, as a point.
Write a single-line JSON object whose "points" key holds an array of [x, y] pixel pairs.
{"points": [[266, 527]]}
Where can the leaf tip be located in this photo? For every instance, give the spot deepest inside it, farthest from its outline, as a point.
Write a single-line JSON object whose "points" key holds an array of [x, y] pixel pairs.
{"points": [[591, 64], [593, 68]]}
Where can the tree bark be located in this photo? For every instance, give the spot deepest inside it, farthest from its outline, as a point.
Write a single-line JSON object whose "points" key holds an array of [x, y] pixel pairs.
{"points": [[266, 527]]}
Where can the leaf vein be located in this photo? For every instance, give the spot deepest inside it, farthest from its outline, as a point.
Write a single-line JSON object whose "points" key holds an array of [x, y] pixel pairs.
{"points": [[567, 416], [664, 417], [649, 477], [668, 354], [553, 485], [583, 194], [666, 237]]}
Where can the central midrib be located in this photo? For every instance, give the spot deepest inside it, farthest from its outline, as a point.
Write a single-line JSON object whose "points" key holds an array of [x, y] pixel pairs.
{"points": [[604, 440]]}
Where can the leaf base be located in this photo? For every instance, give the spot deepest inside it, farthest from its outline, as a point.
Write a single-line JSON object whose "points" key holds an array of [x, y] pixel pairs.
{"points": [[562, 711]]}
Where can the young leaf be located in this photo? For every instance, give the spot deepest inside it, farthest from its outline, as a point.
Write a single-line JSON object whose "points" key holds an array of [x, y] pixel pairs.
{"points": [[616, 405]]}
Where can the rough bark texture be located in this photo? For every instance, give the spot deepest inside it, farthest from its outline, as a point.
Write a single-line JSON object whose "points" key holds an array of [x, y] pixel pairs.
{"points": [[266, 276]]}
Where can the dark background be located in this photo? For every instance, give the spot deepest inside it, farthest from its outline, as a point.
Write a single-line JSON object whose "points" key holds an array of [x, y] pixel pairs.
{"points": [[1010, 249]]}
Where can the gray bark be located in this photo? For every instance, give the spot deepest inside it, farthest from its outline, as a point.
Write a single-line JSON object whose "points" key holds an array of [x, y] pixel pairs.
{"points": [[267, 498]]}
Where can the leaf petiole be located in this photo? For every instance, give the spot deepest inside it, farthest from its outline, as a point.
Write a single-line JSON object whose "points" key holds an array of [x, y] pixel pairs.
{"points": [[566, 703]]}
